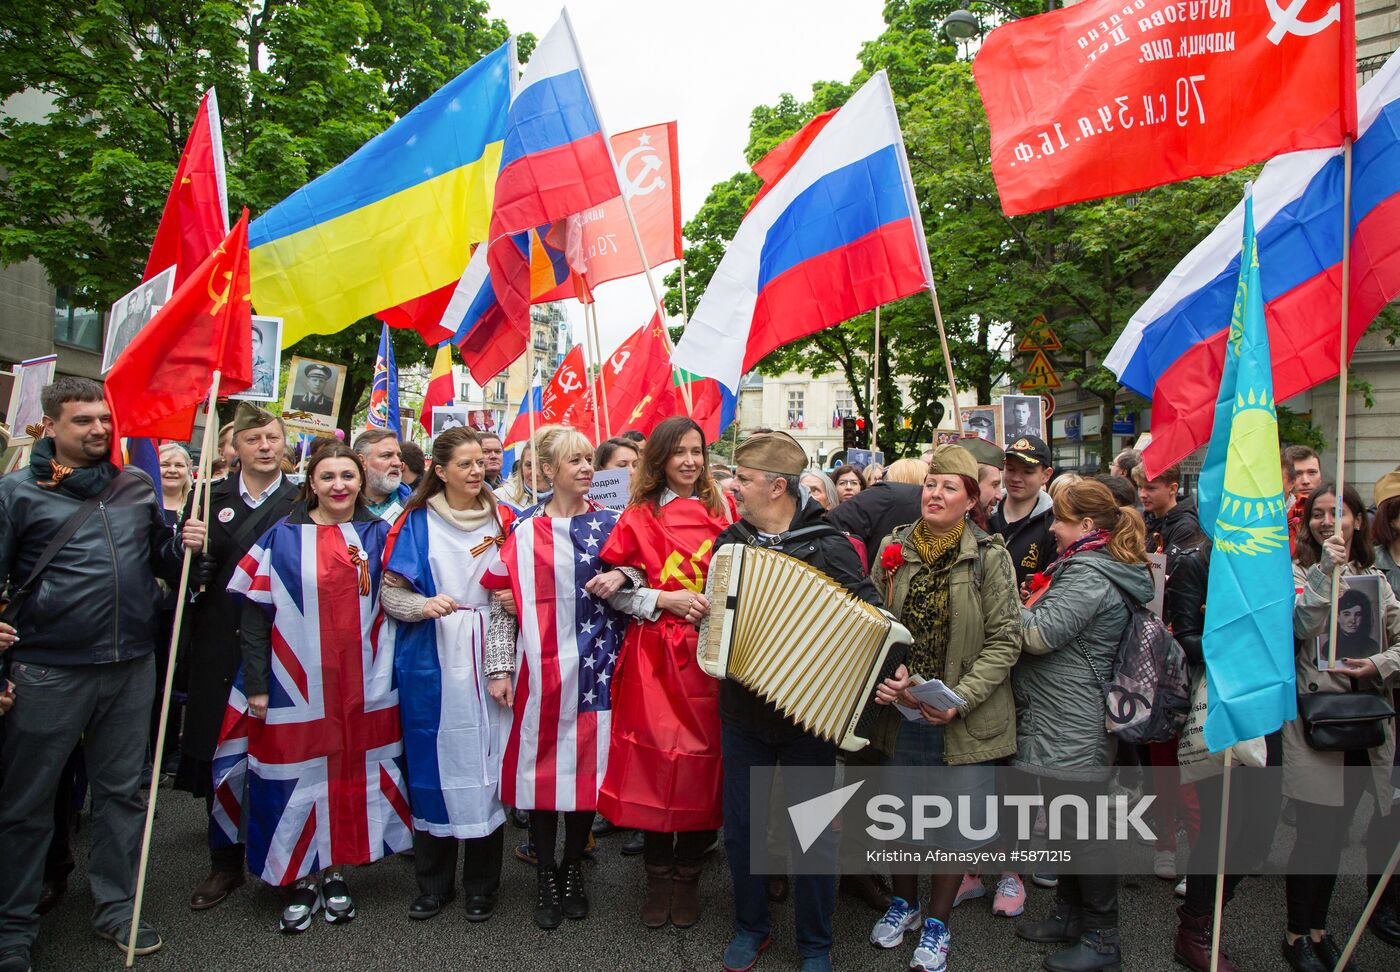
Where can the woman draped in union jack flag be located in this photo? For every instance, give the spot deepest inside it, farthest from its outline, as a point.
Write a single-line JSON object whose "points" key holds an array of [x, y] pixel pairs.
{"points": [[562, 664], [448, 537], [309, 768], [664, 773]]}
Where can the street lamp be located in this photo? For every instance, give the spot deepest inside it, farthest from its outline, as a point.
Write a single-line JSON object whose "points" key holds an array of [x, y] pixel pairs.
{"points": [[962, 24]]}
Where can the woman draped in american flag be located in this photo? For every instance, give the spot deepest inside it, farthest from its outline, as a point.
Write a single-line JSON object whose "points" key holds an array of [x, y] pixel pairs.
{"points": [[448, 537], [565, 651], [309, 767], [664, 773]]}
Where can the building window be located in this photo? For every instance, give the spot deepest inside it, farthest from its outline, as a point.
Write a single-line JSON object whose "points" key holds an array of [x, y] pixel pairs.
{"points": [[500, 395], [541, 339], [845, 404], [77, 326], [795, 418]]}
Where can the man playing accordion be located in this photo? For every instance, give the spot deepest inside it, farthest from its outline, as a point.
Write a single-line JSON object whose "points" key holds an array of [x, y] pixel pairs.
{"points": [[778, 515]]}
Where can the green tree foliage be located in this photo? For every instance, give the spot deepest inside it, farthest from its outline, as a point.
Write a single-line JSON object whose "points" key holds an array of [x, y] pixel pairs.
{"points": [[301, 83], [1086, 267]]}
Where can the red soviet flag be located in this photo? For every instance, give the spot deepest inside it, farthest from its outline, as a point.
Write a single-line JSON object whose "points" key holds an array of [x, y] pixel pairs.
{"points": [[195, 219], [206, 326], [1114, 96], [637, 385]]}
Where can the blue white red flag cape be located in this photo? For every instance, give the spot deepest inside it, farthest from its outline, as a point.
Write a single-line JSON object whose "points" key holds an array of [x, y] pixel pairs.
{"points": [[1172, 349], [837, 235], [454, 733], [555, 163], [1248, 634], [319, 781], [566, 653], [384, 391]]}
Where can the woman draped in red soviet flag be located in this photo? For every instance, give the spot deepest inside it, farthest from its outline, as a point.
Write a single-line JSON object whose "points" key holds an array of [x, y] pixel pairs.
{"points": [[664, 770]]}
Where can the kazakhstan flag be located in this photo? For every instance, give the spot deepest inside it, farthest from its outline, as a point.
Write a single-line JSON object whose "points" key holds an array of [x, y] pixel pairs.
{"points": [[1248, 638], [395, 220]]}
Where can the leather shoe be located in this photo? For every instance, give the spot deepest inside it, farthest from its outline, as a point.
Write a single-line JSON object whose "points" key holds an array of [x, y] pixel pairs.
{"points": [[1330, 954], [867, 889], [634, 844], [1301, 957], [480, 906], [602, 826], [428, 905], [52, 894], [214, 888]]}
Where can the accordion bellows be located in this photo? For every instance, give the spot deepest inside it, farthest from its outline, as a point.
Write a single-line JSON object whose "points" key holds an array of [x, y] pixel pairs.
{"points": [[788, 632]]}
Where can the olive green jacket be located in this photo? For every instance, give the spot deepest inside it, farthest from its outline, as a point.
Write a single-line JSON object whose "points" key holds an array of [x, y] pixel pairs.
{"points": [[984, 641]]}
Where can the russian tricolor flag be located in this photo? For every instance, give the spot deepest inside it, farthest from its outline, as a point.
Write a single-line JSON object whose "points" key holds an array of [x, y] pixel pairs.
{"points": [[837, 235], [1172, 349]]}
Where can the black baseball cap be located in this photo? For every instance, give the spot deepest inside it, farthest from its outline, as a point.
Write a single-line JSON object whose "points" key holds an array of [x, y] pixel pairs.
{"points": [[1030, 449]]}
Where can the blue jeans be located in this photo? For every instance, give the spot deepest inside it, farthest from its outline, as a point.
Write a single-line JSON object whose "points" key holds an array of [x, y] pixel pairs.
{"points": [[814, 896]]}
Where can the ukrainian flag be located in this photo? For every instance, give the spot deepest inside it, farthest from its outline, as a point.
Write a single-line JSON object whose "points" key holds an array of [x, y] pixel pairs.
{"points": [[393, 221], [1248, 635]]}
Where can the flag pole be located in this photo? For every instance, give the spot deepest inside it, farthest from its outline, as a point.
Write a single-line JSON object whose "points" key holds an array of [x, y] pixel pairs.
{"points": [[947, 358], [1342, 378], [1370, 909], [627, 208], [875, 388], [602, 386], [530, 370], [1220, 867], [206, 456], [591, 350], [685, 303]]}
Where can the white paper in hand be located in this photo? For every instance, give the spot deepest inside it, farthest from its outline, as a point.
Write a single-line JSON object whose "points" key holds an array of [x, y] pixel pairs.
{"points": [[933, 693]]}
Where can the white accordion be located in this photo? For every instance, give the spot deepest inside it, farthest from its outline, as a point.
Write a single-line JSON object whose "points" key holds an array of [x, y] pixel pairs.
{"points": [[788, 632]]}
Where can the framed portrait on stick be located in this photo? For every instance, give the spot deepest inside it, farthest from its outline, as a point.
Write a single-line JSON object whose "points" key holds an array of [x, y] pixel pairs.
{"points": [[133, 311], [267, 360], [25, 414], [314, 389]]}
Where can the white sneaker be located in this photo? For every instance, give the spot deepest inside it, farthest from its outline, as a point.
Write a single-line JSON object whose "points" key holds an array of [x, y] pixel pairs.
{"points": [[931, 955], [900, 918], [1180, 889], [1164, 864]]}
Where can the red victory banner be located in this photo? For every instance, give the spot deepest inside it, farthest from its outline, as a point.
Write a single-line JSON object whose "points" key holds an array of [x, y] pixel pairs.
{"points": [[1114, 96]]}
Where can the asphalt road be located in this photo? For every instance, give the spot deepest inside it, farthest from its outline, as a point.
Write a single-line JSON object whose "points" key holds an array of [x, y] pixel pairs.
{"points": [[241, 934]]}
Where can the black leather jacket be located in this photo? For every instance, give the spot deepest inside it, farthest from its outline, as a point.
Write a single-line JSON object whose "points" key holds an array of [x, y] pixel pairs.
{"points": [[96, 602]]}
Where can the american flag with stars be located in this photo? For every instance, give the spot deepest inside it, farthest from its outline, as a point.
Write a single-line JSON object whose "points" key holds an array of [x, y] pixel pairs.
{"points": [[566, 653]]}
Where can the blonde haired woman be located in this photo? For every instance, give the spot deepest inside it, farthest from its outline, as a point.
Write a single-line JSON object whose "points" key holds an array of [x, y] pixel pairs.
{"points": [[175, 480], [911, 471]]}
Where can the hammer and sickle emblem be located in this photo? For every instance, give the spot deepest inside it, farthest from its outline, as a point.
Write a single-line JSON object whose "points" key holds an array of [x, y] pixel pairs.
{"points": [[637, 412], [693, 582], [638, 185], [618, 360], [568, 381], [219, 299], [1287, 20]]}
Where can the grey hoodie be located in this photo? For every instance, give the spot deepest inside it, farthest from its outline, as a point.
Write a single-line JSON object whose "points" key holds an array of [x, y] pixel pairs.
{"points": [[1077, 622]]}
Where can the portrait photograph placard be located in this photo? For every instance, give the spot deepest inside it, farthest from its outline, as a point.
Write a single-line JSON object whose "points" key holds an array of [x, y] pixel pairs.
{"points": [[26, 411], [267, 361], [1360, 620], [132, 311], [450, 417], [313, 392], [983, 421], [1021, 415]]}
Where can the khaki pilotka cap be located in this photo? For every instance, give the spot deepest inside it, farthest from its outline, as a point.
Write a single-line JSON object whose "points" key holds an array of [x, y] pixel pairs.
{"points": [[772, 452], [986, 452], [249, 416], [952, 460]]}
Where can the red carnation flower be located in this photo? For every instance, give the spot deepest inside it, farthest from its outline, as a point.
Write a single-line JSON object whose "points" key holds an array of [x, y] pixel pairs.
{"points": [[1039, 580], [892, 557]]}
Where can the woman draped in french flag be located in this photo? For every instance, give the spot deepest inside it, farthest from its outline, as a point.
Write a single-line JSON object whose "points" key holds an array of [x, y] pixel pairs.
{"points": [[309, 767], [448, 537], [566, 642], [664, 772]]}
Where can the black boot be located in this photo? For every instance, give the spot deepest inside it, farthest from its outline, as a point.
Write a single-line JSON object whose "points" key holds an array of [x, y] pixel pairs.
{"points": [[548, 910], [1064, 925], [1302, 957], [573, 898], [1096, 951]]}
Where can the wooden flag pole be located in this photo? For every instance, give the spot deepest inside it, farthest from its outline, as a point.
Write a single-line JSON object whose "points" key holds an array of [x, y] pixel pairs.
{"points": [[591, 349], [602, 386], [685, 301], [206, 456], [947, 358], [1342, 379], [875, 388], [530, 368], [1220, 867], [1369, 910], [627, 208]]}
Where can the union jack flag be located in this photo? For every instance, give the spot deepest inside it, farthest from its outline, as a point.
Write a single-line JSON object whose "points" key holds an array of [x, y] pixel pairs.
{"points": [[566, 652], [319, 781]]}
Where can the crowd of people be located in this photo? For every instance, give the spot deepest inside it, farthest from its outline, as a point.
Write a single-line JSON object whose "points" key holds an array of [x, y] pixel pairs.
{"points": [[404, 651]]}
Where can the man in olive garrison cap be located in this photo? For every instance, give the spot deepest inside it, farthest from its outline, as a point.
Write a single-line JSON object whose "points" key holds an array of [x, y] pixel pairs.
{"points": [[755, 733]]}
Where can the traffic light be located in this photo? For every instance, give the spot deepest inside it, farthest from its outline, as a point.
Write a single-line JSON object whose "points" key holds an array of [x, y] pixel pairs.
{"points": [[854, 434]]}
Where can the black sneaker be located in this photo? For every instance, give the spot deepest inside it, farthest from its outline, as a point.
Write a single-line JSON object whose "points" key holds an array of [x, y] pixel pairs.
{"points": [[14, 959], [572, 896], [302, 905], [549, 912], [340, 907], [147, 938]]}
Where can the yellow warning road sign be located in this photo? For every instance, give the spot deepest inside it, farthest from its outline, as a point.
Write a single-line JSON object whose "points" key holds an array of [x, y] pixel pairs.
{"points": [[1040, 337], [1042, 375]]}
